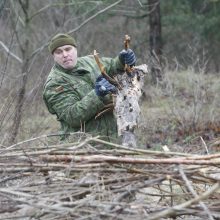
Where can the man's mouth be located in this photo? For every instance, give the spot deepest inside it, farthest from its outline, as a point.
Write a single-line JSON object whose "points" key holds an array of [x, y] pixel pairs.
{"points": [[66, 61]]}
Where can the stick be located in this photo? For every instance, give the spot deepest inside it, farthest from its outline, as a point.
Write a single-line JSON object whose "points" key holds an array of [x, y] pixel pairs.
{"points": [[103, 72], [115, 159], [203, 142], [190, 187], [127, 40]]}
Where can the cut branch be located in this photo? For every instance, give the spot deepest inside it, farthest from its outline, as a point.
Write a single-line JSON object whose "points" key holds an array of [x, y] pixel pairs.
{"points": [[172, 211], [130, 160], [103, 72]]}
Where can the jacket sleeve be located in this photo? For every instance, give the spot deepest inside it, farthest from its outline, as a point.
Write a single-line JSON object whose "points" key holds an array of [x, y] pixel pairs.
{"points": [[113, 65], [66, 104]]}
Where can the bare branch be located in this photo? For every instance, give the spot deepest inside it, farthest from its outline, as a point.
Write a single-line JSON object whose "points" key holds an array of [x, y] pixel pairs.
{"points": [[139, 2], [80, 26], [93, 16], [129, 160], [10, 53], [171, 211], [17, 13], [58, 4]]}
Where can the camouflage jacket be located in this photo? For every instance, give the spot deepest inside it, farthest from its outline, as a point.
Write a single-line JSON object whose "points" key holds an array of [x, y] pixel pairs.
{"points": [[71, 96]]}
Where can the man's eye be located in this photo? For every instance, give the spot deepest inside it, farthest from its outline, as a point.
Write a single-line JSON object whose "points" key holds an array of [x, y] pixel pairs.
{"points": [[58, 51], [68, 49]]}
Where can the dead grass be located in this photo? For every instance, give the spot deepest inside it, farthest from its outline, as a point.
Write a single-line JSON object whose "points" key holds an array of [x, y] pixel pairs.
{"points": [[185, 105]]}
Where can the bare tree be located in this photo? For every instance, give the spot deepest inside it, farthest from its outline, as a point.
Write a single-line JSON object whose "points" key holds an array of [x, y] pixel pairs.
{"points": [[29, 37], [155, 37], [24, 48]]}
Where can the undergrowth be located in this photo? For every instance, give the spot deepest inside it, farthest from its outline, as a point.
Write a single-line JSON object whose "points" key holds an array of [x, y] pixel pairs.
{"points": [[182, 108]]}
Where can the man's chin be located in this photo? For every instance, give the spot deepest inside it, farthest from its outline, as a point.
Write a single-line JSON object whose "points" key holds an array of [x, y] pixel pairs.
{"points": [[68, 66]]}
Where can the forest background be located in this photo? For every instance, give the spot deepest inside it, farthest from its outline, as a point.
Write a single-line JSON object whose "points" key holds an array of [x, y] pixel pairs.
{"points": [[178, 39]]}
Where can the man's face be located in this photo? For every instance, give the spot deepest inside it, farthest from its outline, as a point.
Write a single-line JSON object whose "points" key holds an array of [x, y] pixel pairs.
{"points": [[65, 56]]}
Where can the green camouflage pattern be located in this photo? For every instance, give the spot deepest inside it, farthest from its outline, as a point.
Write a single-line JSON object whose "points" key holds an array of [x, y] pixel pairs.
{"points": [[70, 95]]}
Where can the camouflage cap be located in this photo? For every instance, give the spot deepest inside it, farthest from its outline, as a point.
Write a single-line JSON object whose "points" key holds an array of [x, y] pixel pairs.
{"points": [[61, 40]]}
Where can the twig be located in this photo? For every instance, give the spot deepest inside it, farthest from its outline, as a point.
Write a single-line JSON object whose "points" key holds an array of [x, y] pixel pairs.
{"points": [[22, 142], [97, 140], [10, 53], [136, 188], [204, 144], [189, 186], [172, 211], [103, 112]]}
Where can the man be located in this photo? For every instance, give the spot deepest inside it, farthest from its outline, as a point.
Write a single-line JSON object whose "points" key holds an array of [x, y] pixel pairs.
{"points": [[75, 92]]}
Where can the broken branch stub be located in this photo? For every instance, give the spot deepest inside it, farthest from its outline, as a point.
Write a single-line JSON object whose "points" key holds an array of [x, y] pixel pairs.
{"points": [[127, 109]]}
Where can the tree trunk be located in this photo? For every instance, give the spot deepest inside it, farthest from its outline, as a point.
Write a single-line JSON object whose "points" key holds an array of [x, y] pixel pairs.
{"points": [[25, 65], [155, 38], [19, 105], [127, 109]]}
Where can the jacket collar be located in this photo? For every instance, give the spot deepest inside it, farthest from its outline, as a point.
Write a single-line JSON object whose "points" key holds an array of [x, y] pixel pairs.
{"points": [[76, 69], [68, 71]]}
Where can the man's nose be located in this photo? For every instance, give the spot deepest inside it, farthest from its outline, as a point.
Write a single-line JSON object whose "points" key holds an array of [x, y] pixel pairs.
{"points": [[65, 53]]}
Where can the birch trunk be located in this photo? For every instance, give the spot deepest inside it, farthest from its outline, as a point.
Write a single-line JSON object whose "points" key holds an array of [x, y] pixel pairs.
{"points": [[127, 109]]}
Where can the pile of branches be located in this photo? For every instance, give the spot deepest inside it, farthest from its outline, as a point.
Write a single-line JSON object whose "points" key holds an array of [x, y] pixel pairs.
{"points": [[94, 179]]}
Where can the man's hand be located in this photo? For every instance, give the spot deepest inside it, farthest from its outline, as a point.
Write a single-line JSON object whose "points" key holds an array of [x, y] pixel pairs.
{"points": [[103, 86], [127, 57]]}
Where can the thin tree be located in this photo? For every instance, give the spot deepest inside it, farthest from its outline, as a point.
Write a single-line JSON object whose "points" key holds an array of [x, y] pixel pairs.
{"points": [[155, 37], [24, 48]]}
